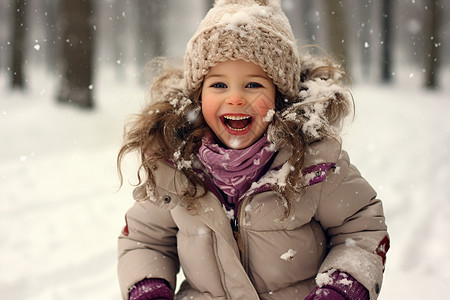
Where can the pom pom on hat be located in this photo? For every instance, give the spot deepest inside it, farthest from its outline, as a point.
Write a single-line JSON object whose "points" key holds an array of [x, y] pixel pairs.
{"points": [[252, 30]]}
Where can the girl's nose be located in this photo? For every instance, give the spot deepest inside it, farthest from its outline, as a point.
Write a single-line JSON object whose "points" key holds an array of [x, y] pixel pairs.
{"points": [[236, 99]]}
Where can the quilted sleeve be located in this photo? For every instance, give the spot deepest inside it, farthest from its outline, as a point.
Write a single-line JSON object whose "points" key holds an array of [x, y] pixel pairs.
{"points": [[147, 247], [353, 219]]}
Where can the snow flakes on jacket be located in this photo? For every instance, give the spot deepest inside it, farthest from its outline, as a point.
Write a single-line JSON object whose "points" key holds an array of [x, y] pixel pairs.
{"points": [[337, 223]]}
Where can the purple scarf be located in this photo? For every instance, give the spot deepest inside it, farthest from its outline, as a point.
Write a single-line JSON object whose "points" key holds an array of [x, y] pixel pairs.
{"points": [[234, 170]]}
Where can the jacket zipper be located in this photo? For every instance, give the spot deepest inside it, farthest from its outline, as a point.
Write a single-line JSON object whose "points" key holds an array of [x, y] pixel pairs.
{"points": [[236, 221], [236, 224]]}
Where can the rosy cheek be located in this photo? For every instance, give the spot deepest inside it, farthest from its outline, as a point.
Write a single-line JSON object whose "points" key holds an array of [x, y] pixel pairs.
{"points": [[208, 110], [262, 107]]}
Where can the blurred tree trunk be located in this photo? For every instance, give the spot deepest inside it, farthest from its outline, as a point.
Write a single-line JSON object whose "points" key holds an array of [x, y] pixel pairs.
{"points": [[51, 33], [18, 45], [432, 57], [336, 31], [365, 38], [77, 53], [307, 13], [151, 34], [119, 40], [386, 39]]}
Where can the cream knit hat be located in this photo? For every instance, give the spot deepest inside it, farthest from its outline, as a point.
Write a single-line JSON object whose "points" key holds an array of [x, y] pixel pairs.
{"points": [[252, 30]]}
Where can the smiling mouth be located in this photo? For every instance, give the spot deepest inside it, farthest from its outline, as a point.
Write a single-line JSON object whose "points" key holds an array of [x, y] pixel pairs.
{"points": [[237, 122]]}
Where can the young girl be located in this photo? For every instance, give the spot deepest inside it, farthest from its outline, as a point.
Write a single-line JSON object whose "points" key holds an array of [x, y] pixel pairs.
{"points": [[243, 182]]}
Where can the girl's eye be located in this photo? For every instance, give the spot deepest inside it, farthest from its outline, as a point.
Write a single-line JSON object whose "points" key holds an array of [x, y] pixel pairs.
{"points": [[254, 85], [219, 85]]}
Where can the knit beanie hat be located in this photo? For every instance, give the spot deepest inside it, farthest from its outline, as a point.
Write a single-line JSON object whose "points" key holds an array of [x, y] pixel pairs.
{"points": [[256, 31]]}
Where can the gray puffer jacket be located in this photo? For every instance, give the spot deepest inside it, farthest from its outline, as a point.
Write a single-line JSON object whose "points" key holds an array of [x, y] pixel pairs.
{"points": [[336, 223]]}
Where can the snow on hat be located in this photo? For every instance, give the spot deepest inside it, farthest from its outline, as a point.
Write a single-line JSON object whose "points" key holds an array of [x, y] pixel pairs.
{"points": [[256, 31]]}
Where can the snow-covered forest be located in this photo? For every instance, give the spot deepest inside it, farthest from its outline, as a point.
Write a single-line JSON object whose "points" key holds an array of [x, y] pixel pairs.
{"points": [[60, 207]]}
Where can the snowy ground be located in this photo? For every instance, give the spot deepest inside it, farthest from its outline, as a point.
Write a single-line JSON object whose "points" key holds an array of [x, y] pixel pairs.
{"points": [[60, 211]]}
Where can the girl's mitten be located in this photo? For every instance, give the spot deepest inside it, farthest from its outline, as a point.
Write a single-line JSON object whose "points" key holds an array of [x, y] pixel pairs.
{"points": [[336, 285], [151, 288]]}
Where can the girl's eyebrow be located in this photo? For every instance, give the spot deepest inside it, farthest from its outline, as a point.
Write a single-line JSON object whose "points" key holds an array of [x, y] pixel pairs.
{"points": [[259, 76], [214, 75]]}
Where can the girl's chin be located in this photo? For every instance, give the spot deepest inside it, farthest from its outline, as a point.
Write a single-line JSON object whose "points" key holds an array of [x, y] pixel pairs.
{"points": [[237, 142]]}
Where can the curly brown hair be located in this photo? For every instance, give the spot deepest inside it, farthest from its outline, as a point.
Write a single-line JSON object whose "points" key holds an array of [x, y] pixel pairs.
{"points": [[173, 121]]}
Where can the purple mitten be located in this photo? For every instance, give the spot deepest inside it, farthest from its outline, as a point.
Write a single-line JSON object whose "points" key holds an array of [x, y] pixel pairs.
{"points": [[324, 293], [151, 288], [336, 285]]}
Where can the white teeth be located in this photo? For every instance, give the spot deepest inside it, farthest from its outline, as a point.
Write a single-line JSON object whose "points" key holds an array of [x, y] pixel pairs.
{"points": [[237, 118], [237, 129]]}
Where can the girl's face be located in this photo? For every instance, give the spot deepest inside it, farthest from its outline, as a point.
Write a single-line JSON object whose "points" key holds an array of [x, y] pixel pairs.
{"points": [[236, 99]]}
